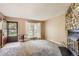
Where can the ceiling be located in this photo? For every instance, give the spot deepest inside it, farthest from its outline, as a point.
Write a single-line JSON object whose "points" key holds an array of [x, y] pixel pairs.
{"points": [[36, 11]]}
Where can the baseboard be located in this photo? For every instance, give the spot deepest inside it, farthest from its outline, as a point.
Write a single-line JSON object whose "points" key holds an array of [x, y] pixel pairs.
{"points": [[60, 44]]}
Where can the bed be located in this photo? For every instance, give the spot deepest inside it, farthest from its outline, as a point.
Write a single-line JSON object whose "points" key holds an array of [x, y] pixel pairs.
{"points": [[31, 48]]}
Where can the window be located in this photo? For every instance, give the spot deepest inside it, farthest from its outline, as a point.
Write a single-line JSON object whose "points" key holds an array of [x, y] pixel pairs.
{"points": [[34, 30], [12, 29]]}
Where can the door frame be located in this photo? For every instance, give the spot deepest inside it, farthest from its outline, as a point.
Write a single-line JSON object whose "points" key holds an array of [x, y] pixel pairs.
{"points": [[8, 29]]}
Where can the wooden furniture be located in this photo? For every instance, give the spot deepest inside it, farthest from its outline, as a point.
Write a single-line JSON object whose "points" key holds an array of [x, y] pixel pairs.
{"points": [[21, 38]]}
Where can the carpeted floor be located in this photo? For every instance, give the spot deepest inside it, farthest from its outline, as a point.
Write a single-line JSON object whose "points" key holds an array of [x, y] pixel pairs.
{"points": [[33, 48]]}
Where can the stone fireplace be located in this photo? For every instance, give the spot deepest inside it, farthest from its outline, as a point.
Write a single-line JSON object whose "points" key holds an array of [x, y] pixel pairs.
{"points": [[72, 28]]}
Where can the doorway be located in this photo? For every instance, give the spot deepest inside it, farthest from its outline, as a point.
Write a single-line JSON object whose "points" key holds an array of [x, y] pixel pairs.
{"points": [[12, 31]]}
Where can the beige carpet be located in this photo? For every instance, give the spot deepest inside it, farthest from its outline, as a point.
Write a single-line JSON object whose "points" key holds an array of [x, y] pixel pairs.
{"points": [[31, 48]]}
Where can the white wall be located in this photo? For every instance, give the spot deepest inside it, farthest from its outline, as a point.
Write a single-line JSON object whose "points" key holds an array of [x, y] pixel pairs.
{"points": [[1, 17], [0, 25], [55, 29]]}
